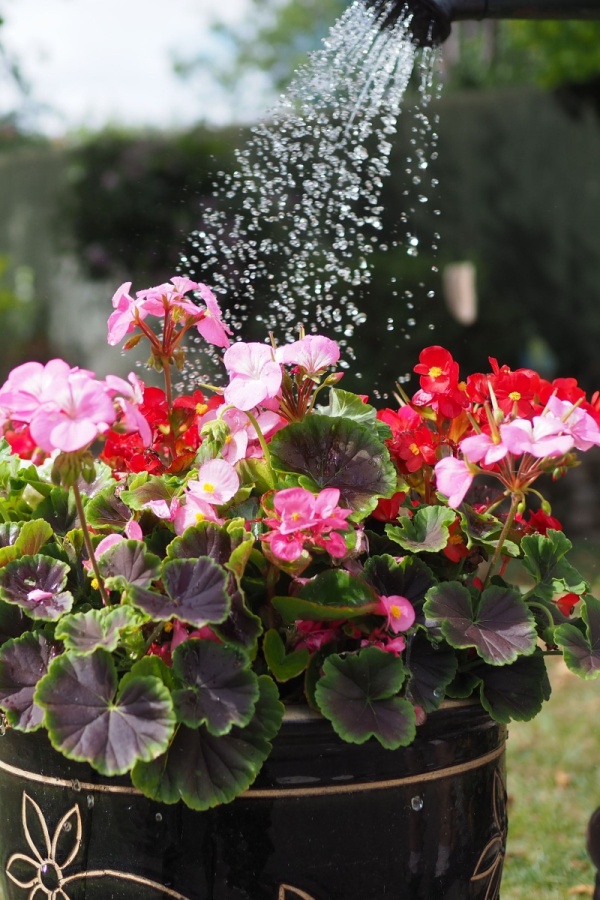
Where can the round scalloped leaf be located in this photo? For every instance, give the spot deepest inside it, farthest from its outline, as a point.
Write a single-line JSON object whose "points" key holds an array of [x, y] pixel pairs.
{"points": [[107, 510], [516, 691], [128, 563], [89, 721], [544, 557], [426, 532], [205, 770], [582, 651], [196, 591], [85, 632], [35, 583], [220, 690], [359, 695], [23, 662], [337, 453], [501, 628], [229, 548]]}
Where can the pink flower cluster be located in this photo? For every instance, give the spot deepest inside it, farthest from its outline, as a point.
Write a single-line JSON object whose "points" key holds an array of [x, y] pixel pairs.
{"points": [[305, 520], [561, 427], [67, 408], [255, 370], [168, 299]]}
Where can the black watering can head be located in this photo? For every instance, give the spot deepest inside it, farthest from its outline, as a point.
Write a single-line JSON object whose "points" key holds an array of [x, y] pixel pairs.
{"points": [[429, 21]]}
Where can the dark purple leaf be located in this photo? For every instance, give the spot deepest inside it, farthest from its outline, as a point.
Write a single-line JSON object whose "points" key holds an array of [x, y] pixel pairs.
{"points": [[358, 693], [432, 668], [23, 662], [582, 651], [205, 770], [84, 632], [220, 690], [337, 453], [516, 691], [89, 721], [501, 628], [35, 583], [196, 591], [128, 563]]}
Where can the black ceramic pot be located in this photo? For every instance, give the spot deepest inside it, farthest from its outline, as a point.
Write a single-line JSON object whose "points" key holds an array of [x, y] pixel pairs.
{"points": [[324, 821]]}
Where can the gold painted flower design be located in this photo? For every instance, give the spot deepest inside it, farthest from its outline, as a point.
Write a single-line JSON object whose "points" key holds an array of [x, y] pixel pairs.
{"points": [[42, 872]]}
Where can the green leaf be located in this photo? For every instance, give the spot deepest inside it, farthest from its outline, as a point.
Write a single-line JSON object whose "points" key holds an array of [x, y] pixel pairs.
{"points": [[284, 666], [427, 531], [220, 690], [516, 691], [146, 488], [205, 770], [23, 662], [85, 632], [128, 563], [582, 651], [333, 594], [359, 695], [544, 558], [35, 583], [107, 510], [89, 721], [345, 405], [196, 593], [32, 537], [337, 453], [501, 628]]}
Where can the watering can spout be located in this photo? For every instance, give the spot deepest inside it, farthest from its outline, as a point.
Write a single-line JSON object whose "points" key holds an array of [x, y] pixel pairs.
{"points": [[431, 20]]}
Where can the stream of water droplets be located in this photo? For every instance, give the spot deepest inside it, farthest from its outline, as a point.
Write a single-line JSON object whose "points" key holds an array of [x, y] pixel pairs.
{"points": [[289, 236]]}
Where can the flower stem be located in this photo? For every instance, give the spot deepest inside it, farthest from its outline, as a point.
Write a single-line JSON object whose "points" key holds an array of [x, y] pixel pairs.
{"points": [[515, 499], [87, 540], [263, 445]]}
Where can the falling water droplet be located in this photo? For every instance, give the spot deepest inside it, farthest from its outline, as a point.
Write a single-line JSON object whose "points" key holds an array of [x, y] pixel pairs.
{"points": [[417, 803], [76, 785], [158, 817], [90, 801]]}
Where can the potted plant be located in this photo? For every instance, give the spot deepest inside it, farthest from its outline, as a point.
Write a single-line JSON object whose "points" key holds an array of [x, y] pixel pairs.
{"points": [[263, 640]]}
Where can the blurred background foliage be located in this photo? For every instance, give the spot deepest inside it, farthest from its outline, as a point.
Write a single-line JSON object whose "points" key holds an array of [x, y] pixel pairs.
{"points": [[518, 194]]}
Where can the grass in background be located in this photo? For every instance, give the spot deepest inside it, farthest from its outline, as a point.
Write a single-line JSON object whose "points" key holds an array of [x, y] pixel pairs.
{"points": [[553, 788]]}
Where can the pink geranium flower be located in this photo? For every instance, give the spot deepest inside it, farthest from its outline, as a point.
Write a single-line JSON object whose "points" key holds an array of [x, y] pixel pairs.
{"points": [[576, 421], [32, 385], [255, 376], [314, 353], [211, 326], [453, 478], [127, 311], [482, 448], [82, 409], [542, 438]]}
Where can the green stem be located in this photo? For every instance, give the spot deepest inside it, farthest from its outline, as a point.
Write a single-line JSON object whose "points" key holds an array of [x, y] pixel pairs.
{"points": [[87, 540], [515, 499]]}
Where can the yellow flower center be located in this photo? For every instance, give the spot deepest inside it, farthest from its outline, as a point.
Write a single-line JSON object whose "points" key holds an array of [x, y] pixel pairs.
{"points": [[201, 408], [414, 449], [435, 372], [200, 517], [208, 487], [295, 516], [395, 611], [514, 396]]}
